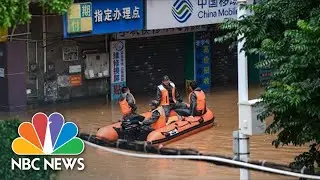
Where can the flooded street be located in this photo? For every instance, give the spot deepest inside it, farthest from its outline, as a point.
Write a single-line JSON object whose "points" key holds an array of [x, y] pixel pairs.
{"points": [[218, 140]]}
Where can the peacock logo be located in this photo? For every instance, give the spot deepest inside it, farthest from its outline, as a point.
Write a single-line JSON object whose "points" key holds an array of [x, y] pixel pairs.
{"points": [[48, 136], [182, 10]]}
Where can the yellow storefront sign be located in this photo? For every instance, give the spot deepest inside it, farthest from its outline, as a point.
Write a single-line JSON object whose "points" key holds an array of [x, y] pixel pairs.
{"points": [[79, 18]]}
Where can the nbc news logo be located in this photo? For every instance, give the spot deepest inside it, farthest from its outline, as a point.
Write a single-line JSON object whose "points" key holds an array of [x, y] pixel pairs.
{"points": [[48, 136]]}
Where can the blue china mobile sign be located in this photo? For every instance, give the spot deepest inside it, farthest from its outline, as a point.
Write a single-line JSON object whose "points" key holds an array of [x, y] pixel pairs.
{"points": [[103, 17]]}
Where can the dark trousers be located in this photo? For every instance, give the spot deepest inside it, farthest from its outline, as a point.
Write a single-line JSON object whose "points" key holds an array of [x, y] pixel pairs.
{"points": [[168, 108]]}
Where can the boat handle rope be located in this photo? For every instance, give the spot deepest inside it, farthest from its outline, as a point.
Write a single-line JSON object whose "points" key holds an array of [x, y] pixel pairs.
{"points": [[206, 158]]}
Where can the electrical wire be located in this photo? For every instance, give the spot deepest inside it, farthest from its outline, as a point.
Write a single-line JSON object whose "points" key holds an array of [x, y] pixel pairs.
{"points": [[210, 158]]}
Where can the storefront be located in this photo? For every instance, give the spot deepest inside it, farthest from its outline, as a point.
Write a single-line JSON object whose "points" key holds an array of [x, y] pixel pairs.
{"points": [[151, 54], [180, 47], [100, 46], [213, 64], [86, 66], [111, 44]]}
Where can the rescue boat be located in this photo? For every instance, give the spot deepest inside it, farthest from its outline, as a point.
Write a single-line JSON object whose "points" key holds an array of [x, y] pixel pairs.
{"points": [[176, 128]]}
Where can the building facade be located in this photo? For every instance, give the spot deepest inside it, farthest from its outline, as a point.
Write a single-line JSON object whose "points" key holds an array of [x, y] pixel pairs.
{"points": [[100, 46]]}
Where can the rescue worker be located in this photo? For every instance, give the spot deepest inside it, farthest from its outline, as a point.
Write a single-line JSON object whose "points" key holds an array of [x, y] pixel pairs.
{"points": [[127, 103], [157, 119], [197, 100], [157, 113], [168, 96]]}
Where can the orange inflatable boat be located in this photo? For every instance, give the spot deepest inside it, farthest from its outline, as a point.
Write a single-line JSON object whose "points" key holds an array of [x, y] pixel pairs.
{"points": [[176, 128]]}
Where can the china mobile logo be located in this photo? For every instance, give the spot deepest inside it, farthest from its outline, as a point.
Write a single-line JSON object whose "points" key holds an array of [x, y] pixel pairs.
{"points": [[48, 136], [182, 10]]}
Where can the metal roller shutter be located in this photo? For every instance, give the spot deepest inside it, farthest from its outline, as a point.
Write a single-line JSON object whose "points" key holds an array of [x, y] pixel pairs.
{"points": [[224, 63], [148, 59]]}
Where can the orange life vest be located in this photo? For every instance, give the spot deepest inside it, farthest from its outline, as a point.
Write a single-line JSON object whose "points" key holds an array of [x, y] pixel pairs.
{"points": [[161, 122], [124, 105], [165, 94], [201, 100]]}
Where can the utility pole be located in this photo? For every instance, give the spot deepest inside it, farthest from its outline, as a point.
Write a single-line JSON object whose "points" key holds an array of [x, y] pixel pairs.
{"points": [[249, 122], [242, 96]]}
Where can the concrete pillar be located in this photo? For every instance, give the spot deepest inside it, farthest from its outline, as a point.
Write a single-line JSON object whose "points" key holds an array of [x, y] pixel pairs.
{"points": [[13, 59]]}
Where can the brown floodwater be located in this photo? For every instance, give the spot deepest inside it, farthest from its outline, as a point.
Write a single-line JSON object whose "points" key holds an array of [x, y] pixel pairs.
{"points": [[101, 165]]}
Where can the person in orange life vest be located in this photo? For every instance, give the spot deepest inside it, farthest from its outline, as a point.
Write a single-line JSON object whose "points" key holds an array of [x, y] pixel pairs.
{"points": [[127, 103], [157, 114], [197, 100], [168, 96]]}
